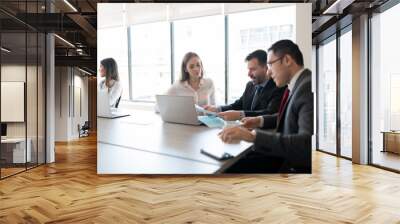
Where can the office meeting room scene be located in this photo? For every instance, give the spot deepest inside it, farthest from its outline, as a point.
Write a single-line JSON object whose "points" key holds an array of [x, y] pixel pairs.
{"points": [[197, 88], [157, 111]]}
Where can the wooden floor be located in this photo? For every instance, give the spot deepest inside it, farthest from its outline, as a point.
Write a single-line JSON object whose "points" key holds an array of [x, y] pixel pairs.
{"points": [[10, 171], [70, 191]]}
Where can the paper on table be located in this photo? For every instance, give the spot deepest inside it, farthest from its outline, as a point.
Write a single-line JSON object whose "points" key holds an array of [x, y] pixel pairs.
{"points": [[199, 109], [212, 121]]}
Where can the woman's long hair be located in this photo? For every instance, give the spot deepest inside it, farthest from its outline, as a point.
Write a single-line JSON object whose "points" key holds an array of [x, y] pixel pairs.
{"points": [[111, 68]]}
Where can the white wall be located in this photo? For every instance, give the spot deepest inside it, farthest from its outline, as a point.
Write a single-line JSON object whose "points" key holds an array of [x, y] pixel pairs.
{"points": [[67, 115], [62, 81], [79, 117], [304, 31]]}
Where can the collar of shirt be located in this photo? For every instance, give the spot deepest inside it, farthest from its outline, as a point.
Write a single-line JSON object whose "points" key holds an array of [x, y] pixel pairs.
{"points": [[294, 79]]}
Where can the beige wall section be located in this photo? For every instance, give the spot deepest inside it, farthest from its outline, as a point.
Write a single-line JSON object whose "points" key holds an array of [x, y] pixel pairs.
{"points": [[304, 31], [62, 81], [71, 102], [31, 109], [92, 100], [41, 115], [304, 40], [360, 90]]}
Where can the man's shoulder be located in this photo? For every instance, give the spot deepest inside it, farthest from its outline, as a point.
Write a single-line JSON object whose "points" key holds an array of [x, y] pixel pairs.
{"points": [[249, 85]]}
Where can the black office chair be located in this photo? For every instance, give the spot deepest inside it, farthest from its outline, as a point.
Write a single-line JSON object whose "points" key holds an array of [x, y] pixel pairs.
{"points": [[117, 103], [84, 130]]}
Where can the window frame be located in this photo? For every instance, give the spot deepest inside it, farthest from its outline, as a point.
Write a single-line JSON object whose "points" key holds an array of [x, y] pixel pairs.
{"points": [[334, 37]]}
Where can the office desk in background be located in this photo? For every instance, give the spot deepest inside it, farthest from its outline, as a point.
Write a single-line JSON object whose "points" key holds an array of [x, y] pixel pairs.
{"points": [[13, 150], [391, 141], [143, 144]]}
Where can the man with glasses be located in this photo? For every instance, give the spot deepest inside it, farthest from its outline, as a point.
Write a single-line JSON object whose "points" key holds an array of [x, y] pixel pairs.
{"points": [[282, 142], [261, 95]]}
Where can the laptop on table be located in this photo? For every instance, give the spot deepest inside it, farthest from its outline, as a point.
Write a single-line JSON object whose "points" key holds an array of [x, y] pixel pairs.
{"points": [[182, 110], [103, 106]]}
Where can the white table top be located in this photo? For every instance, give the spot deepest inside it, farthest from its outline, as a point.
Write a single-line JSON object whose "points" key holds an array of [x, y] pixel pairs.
{"points": [[173, 148], [14, 140]]}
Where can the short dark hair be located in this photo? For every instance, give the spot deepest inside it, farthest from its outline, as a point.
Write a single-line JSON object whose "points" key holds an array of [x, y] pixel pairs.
{"points": [[184, 74], [111, 68], [261, 56], [282, 47]]}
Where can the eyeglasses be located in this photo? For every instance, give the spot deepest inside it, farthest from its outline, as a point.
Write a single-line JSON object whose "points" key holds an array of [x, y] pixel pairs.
{"points": [[271, 62]]}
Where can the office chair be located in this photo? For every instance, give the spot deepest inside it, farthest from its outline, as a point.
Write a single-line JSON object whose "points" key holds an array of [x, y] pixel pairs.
{"points": [[84, 130]]}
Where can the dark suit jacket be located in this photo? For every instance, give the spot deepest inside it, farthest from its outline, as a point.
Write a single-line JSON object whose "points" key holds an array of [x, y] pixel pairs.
{"points": [[267, 102], [291, 138]]}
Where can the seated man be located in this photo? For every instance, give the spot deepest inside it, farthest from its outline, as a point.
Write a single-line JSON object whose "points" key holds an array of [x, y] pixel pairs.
{"points": [[261, 95], [286, 148]]}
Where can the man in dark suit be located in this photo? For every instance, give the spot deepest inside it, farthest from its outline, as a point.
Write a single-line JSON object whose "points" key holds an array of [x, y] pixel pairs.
{"points": [[261, 95], [282, 142]]}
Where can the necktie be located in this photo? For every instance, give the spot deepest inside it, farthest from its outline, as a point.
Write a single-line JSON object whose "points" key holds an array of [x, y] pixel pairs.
{"points": [[255, 97], [283, 101]]}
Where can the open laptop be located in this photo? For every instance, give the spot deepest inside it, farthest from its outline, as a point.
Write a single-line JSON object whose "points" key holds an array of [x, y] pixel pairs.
{"points": [[103, 106], [181, 110]]}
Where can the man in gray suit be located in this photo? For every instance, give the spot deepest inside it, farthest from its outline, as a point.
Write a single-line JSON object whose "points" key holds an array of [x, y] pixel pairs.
{"points": [[282, 142]]}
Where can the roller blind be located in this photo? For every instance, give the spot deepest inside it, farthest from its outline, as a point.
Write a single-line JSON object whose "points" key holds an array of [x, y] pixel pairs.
{"points": [[125, 14]]}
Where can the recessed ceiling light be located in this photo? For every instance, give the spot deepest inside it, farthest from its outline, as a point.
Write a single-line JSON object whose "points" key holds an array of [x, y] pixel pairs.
{"points": [[64, 40], [86, 72], [70, 5], [5, 50]]}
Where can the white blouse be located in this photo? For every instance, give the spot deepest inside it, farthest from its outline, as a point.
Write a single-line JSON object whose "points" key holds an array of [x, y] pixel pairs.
{"points": [[113, 93], [205, 95]]}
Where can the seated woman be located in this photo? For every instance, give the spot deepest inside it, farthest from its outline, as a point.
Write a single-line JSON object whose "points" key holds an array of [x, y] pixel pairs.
{"points": [[192, 82], [109, 72]]}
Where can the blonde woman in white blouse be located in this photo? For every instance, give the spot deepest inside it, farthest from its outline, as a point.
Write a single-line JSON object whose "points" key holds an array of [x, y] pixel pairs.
{"points": [[192, 82], [109, 72]]}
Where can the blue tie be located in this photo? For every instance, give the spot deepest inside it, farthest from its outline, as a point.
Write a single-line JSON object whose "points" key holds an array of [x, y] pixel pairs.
{"points": [[255, 97]]}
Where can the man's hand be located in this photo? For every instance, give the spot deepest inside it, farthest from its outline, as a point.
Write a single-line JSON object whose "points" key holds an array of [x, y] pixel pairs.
{"points": [[230, 115], [235, 134], [251, 122], [210, 108]]}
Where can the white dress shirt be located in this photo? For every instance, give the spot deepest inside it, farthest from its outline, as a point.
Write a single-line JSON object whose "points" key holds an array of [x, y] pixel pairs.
{"points": [[293, 81], [114, 92], [205, 95]]}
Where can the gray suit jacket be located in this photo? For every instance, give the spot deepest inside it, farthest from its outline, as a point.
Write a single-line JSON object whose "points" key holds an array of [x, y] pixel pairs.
{"points": [[291, 137]]}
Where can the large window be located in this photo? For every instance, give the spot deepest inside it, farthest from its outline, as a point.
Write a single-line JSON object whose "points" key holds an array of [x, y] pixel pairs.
{"points": [[204, 36], [115, 45], [385, 88], [334, 106], [327, 96], [346, 94], [149, 53], [250, 31], [151, 60]]}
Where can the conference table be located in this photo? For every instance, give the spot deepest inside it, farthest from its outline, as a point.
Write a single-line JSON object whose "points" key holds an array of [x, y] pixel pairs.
{"points": [[143, 144]]}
